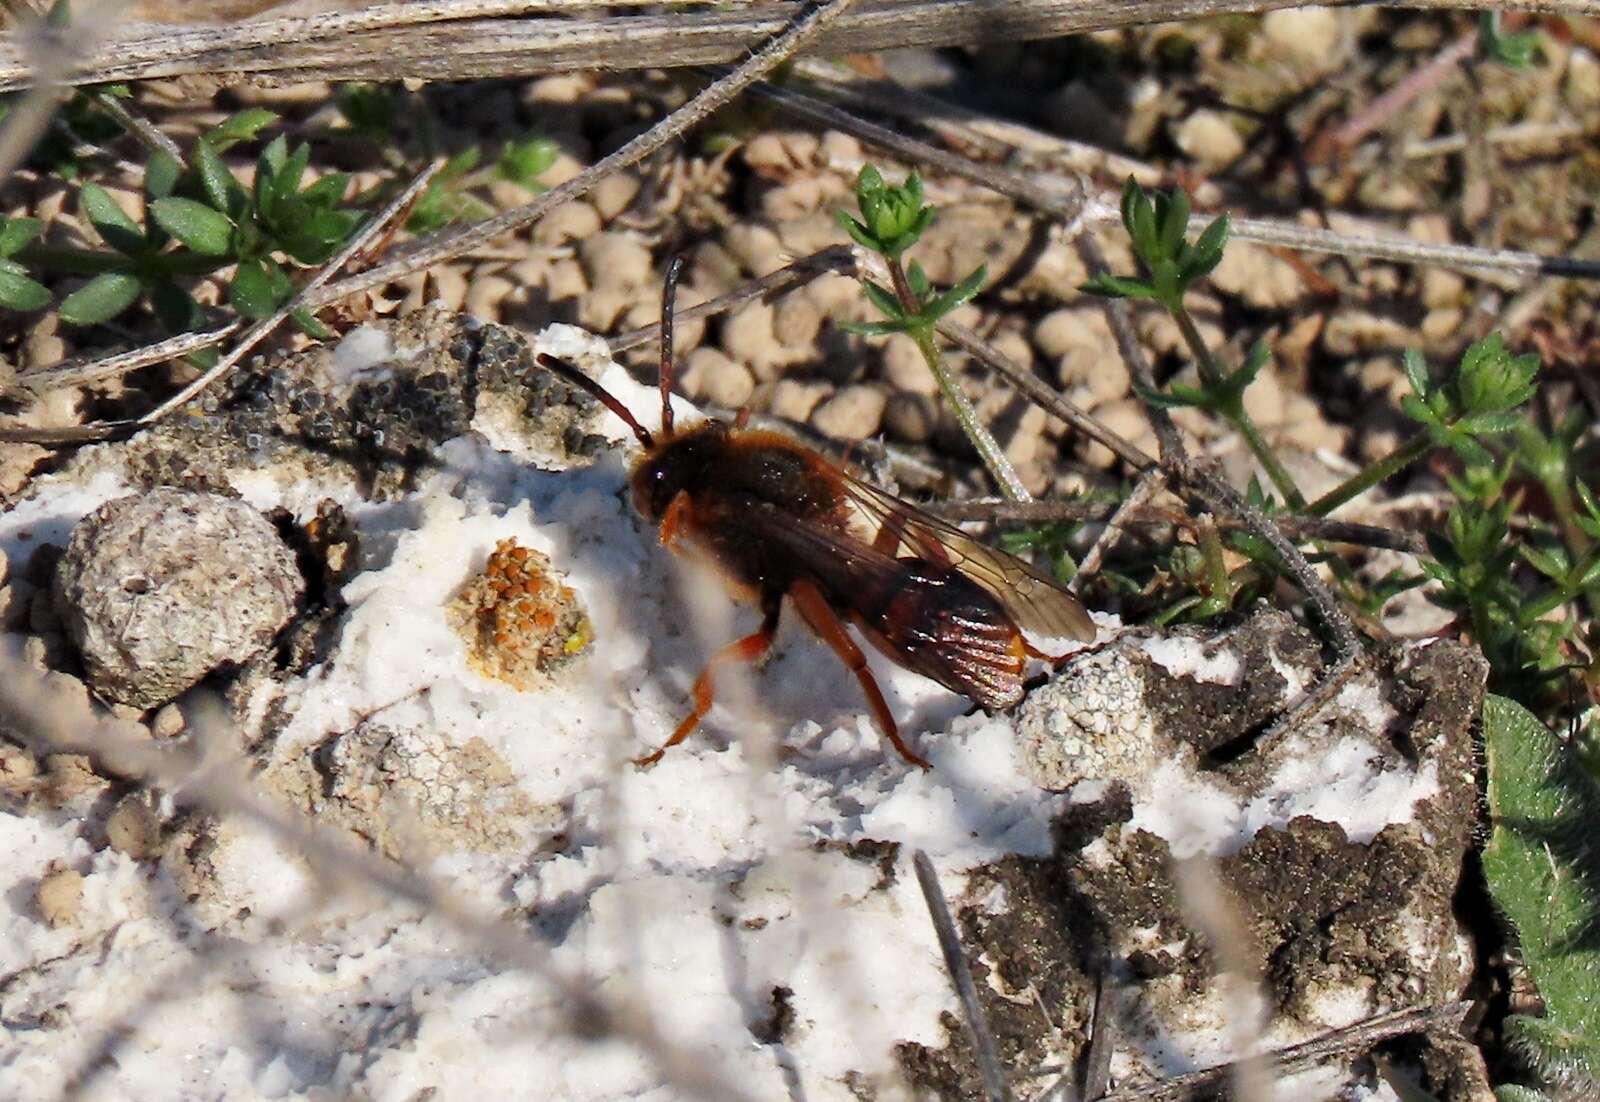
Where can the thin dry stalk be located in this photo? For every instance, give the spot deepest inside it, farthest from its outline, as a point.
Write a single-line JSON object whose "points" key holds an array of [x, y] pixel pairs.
{"points": [[453, 242], [1067, 198], [792, 276], [1295, 527], [447, 48], [955, 962], [1337, 1044], [78, 372], [1143, 490]]}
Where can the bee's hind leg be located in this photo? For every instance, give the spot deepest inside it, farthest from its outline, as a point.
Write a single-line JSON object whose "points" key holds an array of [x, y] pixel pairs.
{"points": [[752, 648], [814, 607]]}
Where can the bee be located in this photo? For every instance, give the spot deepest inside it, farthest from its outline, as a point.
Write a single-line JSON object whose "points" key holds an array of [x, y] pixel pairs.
{"points": [[779, 520]]}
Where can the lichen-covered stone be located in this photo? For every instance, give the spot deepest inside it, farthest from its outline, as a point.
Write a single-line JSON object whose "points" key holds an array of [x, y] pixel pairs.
{"points": [[518, 618], [1330, 855], [370, 411], [157, 590]]}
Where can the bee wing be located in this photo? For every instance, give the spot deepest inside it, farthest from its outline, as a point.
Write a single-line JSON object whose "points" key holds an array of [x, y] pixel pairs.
{"points": [[1034, 601], [909, 615]]}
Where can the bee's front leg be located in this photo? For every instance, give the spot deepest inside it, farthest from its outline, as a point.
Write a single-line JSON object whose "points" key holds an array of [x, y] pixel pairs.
{"points": [[672, 520]]}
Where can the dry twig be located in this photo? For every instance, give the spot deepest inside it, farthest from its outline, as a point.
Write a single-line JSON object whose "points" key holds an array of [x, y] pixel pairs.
{"points": [[955, 961]]}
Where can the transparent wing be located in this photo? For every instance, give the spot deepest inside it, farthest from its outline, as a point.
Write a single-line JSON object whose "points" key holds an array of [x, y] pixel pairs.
{"points": [[917, 617], [1034, 601]]}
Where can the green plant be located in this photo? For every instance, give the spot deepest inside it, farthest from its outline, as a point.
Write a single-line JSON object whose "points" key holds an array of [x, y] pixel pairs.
{"points": [[1542, 866], [200, 219], [372, 112], [892, 220], [1157, 225]]}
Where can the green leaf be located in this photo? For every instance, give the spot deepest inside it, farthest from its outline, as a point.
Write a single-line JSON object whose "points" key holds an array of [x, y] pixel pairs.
{"points": [[1206, 253], [1107, 285], [958, 295], [523, 162], [858, 233], [259, 288], [328, 191], [874, 328], [18, 292], [368, 108], [1174, 224], [1552, 563], [1416, 371], [240, 127], [885, 300], [1540, 866], [1175, 397], [177, 309], [196, 225], [1486, 424], [15, 233], [918, 281], [101, 299], [319, 236], [222, 189], [119, 231], [286, 181], [305, 321], [161, 175], [460, 164]]}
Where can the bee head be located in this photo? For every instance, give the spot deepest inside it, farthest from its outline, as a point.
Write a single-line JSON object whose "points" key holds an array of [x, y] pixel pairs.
{"points": [[684, 462]]}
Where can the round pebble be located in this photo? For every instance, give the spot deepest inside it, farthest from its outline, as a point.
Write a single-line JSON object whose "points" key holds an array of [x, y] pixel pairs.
{"points": [[59, 896], [709, 376], [853, 413], [159, 589]]}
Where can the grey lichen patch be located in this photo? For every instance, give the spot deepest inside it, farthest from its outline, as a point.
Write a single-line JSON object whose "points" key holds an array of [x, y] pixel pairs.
{"points": [[370, 411], [159, 589], [412, 793], [1089, 722]]}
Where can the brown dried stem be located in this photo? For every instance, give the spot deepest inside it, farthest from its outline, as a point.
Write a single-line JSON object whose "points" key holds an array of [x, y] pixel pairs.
{"points": [[473, 39]]}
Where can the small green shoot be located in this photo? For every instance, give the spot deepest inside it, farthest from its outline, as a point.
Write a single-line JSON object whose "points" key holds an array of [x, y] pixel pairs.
{"points": [[894, 218], [1158, 226]]}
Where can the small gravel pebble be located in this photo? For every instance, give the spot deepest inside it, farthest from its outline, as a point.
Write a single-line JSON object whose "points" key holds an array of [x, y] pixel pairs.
{"points": [[795, 400], [853, 413], [910, 418], [133, 828], [710, 376], [905, 368], [167, 722], [59, 896]]}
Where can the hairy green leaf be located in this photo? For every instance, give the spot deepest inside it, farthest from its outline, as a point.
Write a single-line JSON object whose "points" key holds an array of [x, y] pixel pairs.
{"points": [[101, 299]]}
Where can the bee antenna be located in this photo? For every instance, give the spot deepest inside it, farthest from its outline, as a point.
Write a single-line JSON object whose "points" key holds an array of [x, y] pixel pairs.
{"points": [[607, 399], [669, 296]]}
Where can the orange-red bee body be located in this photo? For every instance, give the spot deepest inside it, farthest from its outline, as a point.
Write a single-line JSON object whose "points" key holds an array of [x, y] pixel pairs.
{"points": [[779, 520]]}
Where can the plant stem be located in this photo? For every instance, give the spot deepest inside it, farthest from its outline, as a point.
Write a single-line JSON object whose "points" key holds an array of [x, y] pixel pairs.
{"points": [[1372, 474], [1214, 380], [989, 450]]}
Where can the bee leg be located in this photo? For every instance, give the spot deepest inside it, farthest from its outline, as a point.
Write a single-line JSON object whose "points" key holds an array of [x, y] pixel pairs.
{"points": [[673, 518], [741, 420], [749, 649], [825, 622]]}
